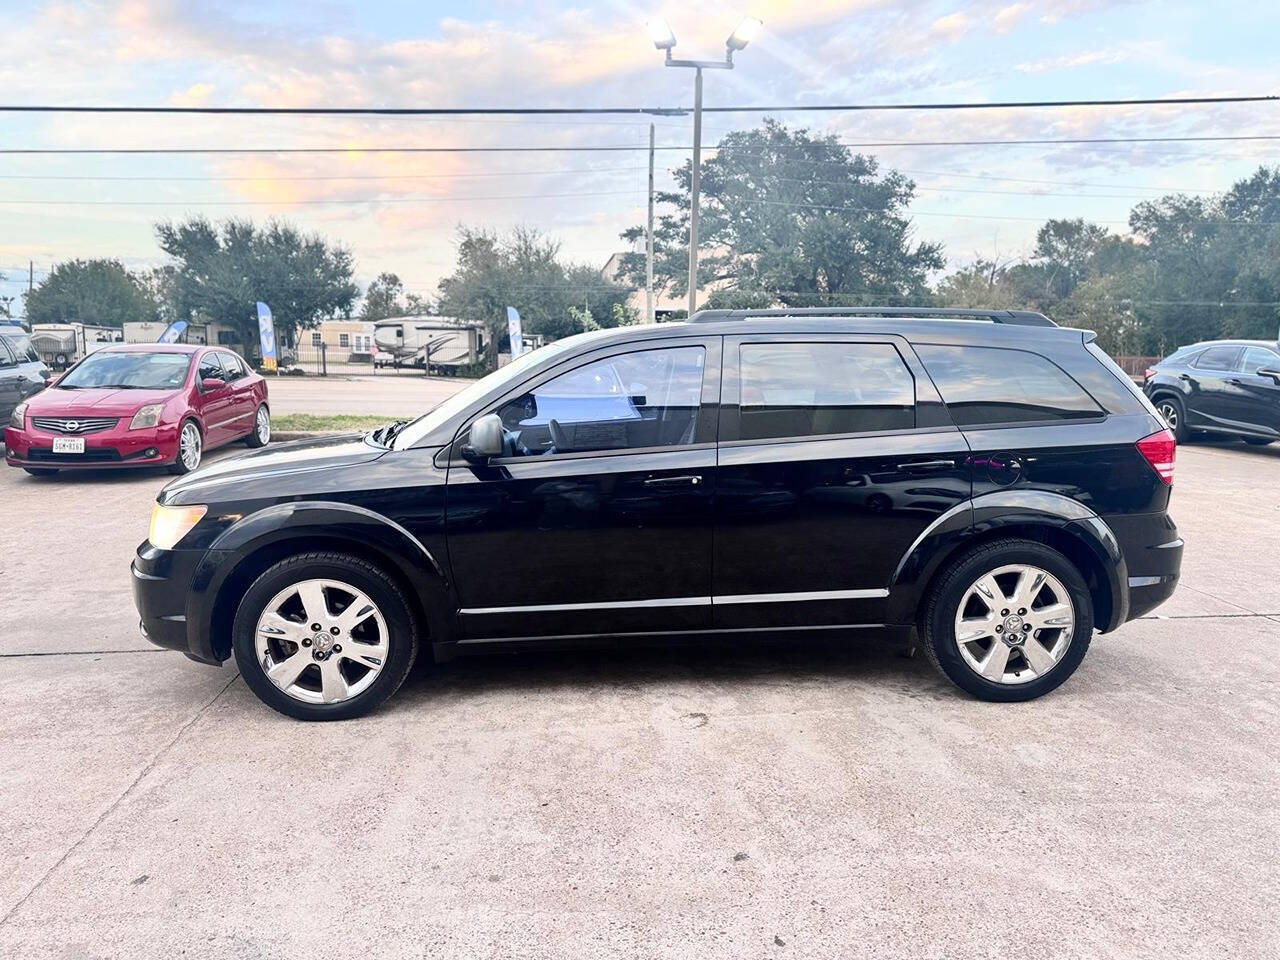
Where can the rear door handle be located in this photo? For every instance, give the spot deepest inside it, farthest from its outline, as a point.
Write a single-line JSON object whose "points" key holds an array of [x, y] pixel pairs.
{"points": [[688, 481], [922, 465], [1234, 381]]}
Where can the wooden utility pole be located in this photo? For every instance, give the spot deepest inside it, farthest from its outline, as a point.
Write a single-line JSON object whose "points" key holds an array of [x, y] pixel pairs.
{"points": [[649, 316]]}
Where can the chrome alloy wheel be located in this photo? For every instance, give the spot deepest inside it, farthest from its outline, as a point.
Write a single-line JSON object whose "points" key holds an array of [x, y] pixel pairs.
{"points": [[321, 641], [1014, 624], [263, 426], [190, 445], [1169, 411]]}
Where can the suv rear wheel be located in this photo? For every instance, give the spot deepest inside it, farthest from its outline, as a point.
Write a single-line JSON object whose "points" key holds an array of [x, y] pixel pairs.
{"points": [[324, 636], [1175, 415], [1010, 620]]}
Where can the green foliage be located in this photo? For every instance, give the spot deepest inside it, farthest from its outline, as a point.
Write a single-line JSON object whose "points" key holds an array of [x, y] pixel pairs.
{"points": [[1195, 268], [524, 270], [790, 217], [386, 297], [100, 292], [221, 270]]}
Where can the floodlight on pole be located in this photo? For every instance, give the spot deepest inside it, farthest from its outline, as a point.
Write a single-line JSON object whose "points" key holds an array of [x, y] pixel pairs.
{"points": [[747, 31], [664, 39], [660, 33]]}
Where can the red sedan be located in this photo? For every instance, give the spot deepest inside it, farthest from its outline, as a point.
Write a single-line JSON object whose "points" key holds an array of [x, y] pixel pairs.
{"points": [[134, 405]]}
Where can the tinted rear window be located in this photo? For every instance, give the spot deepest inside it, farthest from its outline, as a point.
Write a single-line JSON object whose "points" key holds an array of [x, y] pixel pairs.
{"points": [[990, 385], [1218, 358], [819, 389]]}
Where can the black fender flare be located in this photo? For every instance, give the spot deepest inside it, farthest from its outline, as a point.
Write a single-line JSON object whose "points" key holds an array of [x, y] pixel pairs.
{"points": [[1018, 512], [334, 524]]}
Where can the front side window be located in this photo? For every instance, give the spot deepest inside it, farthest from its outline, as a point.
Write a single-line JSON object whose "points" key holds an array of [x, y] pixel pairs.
{"points": [[1260, 358], [631, 401], [210, 368], [129, 371], [982, 386], [818, 389], [1218, 358]]}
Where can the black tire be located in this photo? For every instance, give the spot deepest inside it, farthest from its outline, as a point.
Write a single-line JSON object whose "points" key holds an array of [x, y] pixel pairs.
{"points": [[1174, 413], [380, 588], [937, 621], [255, 439], [179, 467], [1257, 441], [41, 471]]}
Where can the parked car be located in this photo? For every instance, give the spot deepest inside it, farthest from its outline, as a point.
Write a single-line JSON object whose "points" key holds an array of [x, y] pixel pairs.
{"points": [[140, 405], [22, 374], [690, 482], [1229, 387]]}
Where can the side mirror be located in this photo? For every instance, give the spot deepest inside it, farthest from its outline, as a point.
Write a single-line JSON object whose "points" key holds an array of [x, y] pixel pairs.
{"points": [[1271, 372], [485, 439], [212, 383]]}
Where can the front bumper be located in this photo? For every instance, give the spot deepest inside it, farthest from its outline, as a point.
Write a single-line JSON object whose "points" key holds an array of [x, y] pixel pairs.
{"points": [[116, 447], [162, 591]]}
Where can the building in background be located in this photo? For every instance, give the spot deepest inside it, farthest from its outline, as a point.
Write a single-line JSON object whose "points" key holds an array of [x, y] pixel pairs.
{"points": [[344, 341], [665, 304]]}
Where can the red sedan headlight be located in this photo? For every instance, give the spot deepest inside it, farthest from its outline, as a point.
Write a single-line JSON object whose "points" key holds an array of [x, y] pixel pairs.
{"points": [[148, 416]]}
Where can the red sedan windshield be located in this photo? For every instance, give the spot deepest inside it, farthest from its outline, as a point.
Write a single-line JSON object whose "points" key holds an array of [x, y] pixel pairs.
{"points": [[129, 371]]}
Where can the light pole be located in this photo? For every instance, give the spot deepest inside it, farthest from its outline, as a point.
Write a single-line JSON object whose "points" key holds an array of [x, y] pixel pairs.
{"points": [[665, 40]]}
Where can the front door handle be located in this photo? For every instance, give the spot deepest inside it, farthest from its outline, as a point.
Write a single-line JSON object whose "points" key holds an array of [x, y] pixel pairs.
{"points": [[1234, 381], [922, 465], [687, 481]]}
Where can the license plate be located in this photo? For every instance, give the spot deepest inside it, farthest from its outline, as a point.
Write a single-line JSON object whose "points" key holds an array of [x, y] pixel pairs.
{"points": [[68, 444]]}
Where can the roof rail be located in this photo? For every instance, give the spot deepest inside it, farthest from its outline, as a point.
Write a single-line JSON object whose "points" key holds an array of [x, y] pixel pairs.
{"points": [[1024, 318]]}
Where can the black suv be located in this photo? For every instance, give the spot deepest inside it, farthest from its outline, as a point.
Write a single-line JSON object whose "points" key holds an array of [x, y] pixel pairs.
{"points": [[987, 478], [1227, 387]]}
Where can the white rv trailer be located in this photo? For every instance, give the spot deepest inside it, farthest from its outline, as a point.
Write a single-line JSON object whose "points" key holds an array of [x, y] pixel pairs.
{"points": [[62, 344], [433, 344]]}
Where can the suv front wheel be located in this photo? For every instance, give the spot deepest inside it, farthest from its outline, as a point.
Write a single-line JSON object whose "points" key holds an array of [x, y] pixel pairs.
{"points": [[1010, 620], [324, 636]]}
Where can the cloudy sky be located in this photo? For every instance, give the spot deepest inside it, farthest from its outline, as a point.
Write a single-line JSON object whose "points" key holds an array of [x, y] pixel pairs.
{"points": [[400, 211]]}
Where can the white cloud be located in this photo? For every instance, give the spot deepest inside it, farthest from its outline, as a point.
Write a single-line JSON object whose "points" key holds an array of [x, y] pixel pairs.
{"points": [[1007, 18]]}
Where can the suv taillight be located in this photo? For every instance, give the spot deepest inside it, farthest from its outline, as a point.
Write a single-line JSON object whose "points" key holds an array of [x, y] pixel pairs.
{"points": [[1159, 450], [1148, 373]]}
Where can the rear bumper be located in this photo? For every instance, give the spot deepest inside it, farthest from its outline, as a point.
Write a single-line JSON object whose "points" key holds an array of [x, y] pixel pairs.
{"points": [[1153, 555], [162, 590]]}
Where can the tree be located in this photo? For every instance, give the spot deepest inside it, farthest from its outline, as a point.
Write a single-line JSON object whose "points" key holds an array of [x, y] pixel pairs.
{"points": [[386, 297], [791, 217], [524, 270], [221, 270], [100, 292]]}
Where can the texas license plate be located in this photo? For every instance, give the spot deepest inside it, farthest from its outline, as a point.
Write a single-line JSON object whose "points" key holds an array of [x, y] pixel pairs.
{"points": [[68, 444]]}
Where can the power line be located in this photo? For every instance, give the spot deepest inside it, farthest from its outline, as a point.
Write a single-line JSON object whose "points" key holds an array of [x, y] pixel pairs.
{"points": [[643, 111], [71, 151], [330, 177], [317, 201]]}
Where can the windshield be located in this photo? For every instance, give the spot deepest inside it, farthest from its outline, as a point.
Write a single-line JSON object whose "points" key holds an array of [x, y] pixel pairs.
{"points": [[408, 435], [22, 348], [129, 371]]}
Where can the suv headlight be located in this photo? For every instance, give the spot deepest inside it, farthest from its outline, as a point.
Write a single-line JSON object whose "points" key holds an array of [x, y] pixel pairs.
{"points": [[171, 524], [148, 416], [18, 419]]}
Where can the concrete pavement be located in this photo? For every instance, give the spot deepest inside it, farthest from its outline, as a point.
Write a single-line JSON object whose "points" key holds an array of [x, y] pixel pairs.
{"points": [[748, 800]]}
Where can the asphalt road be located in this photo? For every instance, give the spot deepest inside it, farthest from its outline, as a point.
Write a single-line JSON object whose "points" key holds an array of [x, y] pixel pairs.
{"points": [[806, 800], [382, 395]]}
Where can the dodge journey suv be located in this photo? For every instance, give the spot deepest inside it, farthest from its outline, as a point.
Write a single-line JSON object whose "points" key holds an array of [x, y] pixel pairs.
{"points": [[984, 484]]}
